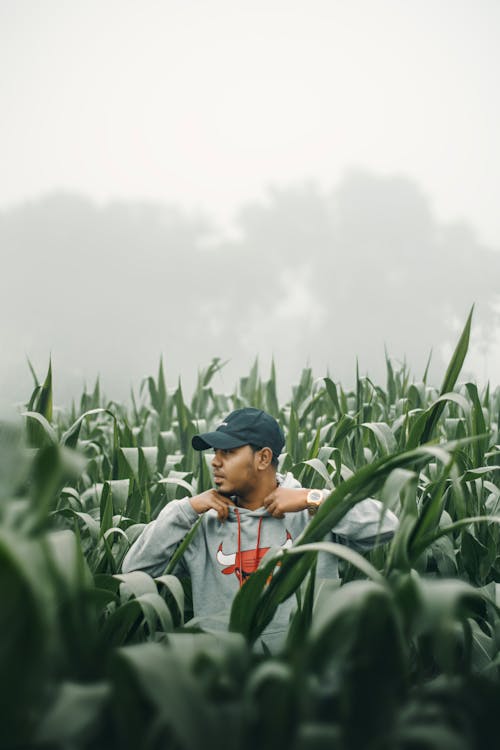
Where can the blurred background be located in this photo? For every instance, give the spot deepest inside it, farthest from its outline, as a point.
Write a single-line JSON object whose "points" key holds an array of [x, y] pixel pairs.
{"points": [[312, 181]]}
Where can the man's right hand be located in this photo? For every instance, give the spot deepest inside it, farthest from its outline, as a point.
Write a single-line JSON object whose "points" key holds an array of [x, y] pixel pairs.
{"points": [[211, 499]]}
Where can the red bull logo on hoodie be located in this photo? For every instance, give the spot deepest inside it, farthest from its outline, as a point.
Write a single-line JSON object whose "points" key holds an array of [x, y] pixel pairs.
{"points": [[244, 562]]}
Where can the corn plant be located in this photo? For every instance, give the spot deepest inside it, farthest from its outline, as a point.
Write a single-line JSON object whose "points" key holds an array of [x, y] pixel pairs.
{"points": [[403, 651]]}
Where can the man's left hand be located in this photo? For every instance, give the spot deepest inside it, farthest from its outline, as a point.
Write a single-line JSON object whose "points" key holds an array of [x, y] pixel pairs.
{"points": [[286, 500]]}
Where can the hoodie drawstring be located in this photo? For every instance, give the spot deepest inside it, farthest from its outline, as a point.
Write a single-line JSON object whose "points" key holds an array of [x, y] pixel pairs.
{"points": [[238, 552]]}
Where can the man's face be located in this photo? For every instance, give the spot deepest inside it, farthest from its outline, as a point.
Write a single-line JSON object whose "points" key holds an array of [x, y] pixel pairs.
{"points": [[235, 470]]}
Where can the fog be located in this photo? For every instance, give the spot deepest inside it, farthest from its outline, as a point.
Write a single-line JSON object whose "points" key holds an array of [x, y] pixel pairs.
{"points": [[310, 181], [308, 277]]}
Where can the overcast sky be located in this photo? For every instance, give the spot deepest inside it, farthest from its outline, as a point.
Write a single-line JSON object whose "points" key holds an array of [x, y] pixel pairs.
{"points": [[205, 105], [206, 102]]}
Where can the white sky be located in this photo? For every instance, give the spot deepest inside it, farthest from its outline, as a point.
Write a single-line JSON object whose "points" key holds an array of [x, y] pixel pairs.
{"points": [[205, 102]]}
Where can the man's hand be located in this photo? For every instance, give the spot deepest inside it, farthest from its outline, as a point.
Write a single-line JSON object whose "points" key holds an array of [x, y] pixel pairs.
{"points": [[212, 499], [286, 500]]}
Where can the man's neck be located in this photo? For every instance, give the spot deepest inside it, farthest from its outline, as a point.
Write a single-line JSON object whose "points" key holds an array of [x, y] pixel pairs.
{"points": [[255, 498]]}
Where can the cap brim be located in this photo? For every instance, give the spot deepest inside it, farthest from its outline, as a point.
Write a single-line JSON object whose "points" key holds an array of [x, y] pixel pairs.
{"points": [[217, 440]]}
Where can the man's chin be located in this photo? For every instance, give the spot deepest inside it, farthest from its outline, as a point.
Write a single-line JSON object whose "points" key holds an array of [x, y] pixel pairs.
{"points": [[224, 492]]}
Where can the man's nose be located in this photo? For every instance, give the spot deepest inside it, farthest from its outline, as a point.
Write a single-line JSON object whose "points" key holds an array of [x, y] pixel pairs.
{"points": [[216, 460]]}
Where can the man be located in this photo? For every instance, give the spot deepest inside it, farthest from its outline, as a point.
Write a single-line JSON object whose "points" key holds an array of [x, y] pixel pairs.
{"points": [[251, 509]]}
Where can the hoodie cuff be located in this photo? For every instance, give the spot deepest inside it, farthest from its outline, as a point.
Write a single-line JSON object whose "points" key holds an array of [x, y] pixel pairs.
{"points": [[188, 510]]}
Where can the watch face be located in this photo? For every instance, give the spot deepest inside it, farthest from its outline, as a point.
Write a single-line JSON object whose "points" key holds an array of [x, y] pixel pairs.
{"points": [[315, 496]]}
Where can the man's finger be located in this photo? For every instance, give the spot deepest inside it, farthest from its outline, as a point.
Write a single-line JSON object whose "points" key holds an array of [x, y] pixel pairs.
{"points": [[224, 498], [274, 510], [221, 507], [268, 500]]}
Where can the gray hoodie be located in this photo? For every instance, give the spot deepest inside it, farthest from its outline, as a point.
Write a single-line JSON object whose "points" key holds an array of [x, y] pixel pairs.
{"points": [[223, 554]]}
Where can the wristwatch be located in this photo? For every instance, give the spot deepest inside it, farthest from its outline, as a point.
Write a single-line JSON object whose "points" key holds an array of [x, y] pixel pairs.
{"points": [[314, 500]]}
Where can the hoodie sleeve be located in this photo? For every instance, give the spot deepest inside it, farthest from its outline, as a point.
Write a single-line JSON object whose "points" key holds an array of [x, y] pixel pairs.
{"points": [[366, 525], [158, 541]]}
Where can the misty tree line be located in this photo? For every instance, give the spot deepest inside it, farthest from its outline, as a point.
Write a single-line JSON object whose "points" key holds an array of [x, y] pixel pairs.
{"points": [[310, 276]]}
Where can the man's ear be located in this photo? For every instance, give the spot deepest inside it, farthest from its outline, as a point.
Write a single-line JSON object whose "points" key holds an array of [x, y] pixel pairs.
{"points": [[265, 457]]}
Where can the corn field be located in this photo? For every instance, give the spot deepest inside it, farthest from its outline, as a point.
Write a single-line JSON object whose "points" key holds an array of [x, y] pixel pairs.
{"points": [[403, 652]]}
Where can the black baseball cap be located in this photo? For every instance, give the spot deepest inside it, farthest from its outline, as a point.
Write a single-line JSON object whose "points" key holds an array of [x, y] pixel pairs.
{"points": [[247, 426]]}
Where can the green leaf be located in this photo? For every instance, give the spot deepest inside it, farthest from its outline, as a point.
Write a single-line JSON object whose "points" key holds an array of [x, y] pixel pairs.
{"points": [[478, 424], [44, 401], [320, 468], [346, 425], [182, 547], [331, 390], [74, 713], [301, 621], [70, 437], [175, 590], [106, 508], [33, 373], [47, 481], [47, 430], [424, 424], [452, 527], [91, 524], [25, 625], [178, 482], [171, 690], [426, 427], [250, 615], [383, 435], [136, 583]]}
